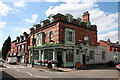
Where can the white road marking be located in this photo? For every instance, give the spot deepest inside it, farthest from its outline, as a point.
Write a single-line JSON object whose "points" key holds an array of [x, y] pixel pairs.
{"points": [[29, 73], [17, 69], [8, 66], [40, 76]]}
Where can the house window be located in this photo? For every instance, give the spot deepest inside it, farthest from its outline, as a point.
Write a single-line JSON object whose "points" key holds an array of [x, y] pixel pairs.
{"points": [[69, 55], [69, 35], [103, 55], [51, 36], [91, 55]]}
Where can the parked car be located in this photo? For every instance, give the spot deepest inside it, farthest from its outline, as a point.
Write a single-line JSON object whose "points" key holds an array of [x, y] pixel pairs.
{"points": [[12, 60], [111, 63], [118, 67]]}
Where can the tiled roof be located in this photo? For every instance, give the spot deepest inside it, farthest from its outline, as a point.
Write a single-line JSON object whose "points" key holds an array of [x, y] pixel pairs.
{"points": [[111, 44]]}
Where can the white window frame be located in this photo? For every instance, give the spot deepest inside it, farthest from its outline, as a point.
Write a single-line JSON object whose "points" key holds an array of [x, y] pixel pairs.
{"points": [[40, 39], [67, 30]]}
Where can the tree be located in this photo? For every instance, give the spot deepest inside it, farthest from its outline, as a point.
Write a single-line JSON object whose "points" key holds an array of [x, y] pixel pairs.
{"points": [[6, 47]]}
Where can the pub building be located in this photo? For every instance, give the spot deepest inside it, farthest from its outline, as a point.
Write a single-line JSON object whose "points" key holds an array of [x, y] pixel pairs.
{"points": [[64, 39]]}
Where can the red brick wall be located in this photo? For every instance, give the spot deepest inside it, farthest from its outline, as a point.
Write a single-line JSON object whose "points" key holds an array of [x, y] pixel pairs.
{"points": [[80, 33]]}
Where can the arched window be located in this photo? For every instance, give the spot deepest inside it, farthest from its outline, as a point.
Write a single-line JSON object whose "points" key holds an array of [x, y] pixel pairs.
{"points": [[51, 36]]}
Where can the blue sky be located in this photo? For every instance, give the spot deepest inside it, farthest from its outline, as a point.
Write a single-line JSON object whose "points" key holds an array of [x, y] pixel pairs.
{"points": [[17, 17]]}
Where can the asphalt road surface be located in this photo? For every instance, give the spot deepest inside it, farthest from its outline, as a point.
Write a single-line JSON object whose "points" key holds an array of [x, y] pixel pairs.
{"points": [[17, 72]]}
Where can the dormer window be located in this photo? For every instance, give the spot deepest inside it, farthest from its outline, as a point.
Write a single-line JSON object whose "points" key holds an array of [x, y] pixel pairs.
{"points": [[41, 23], [51, 36], [69, 17]]}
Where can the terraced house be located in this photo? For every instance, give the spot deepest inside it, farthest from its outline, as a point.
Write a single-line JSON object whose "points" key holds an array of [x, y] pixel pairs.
{"points": [[63, 38]]}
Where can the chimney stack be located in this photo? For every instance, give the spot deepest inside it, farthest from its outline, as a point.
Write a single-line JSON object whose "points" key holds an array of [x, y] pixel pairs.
{"points": [[117, 43], [108, 41], [86, 17]]}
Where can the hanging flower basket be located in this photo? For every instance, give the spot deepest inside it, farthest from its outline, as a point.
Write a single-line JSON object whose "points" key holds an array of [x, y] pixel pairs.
{"points": [[44, 61], [53, 61], [39, 61]]}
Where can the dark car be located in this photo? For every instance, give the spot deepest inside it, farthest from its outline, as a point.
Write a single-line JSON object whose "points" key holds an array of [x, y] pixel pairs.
{"points": [[112, 63]]}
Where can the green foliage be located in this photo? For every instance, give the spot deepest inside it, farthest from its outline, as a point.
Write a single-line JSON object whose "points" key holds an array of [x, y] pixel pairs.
{"points": [[6, 47]]}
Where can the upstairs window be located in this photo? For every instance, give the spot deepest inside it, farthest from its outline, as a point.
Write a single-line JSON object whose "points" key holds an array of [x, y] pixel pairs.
{"points": [[40, 38], [51, 36], [69, 35]]}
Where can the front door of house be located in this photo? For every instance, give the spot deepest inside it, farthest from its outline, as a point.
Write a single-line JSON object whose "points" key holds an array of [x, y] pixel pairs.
{"points": [[59, 59]]}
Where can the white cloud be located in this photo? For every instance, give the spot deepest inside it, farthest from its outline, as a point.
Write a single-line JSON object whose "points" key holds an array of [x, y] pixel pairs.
{"points": [[106, 22], [112, 35], [21, 30], [20, 3], [71, 1], [2, 24], [0, 40], [76, 9], [4, 9], [33, 19]]}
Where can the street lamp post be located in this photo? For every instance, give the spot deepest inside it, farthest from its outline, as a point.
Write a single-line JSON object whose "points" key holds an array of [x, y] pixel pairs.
{"points": [[33, 42]]}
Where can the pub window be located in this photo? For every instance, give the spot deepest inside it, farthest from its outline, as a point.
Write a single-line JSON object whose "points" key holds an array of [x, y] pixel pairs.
{"points": [[48, 55], [69, 56], [103, 55], [91, 55], [36, 55]]}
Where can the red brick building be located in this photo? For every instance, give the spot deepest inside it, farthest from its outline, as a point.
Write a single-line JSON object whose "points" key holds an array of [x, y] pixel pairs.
{"points": [[111, 47], [13, 49], [60, 38], [20, 47]]}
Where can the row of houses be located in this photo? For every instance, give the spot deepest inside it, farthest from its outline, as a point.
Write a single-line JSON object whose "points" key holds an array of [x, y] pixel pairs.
{"points": [[66, 40]]}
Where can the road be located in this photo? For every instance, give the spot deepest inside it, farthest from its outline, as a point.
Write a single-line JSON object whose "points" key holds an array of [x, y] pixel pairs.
{"points": [[23, 72]]}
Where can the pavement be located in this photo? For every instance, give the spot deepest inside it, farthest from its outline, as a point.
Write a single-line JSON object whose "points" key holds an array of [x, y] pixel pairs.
{"points": [[54, 69], [60, 69]]}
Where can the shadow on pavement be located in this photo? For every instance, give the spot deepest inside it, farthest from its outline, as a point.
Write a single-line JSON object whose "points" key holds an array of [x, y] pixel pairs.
{"points": [[6, 76], [94, 67]]}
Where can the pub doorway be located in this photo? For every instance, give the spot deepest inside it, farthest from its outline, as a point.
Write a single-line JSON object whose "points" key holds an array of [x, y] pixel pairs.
{"points": [[59, 59], [84, 59]]}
